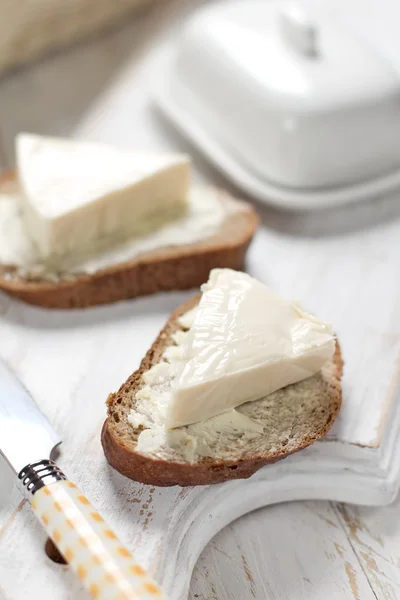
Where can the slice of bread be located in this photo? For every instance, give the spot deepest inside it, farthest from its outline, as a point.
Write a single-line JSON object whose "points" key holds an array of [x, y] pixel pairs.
{"points": [[291, 419], [169, 268]]}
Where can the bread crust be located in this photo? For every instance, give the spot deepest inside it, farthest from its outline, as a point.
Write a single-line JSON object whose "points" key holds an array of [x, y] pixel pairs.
{"points": [[173, 268], [121, 454]]}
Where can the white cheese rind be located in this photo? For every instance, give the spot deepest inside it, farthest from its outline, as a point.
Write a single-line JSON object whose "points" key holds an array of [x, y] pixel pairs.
{"points": [[75, 194], [245, 342]]}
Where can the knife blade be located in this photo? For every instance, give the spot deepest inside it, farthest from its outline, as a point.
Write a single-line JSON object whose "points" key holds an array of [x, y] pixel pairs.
{"points": [[25, 433], [106, 568]]}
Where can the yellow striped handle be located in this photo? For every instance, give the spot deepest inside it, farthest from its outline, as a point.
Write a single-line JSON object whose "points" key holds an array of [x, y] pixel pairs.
{"points": [[106, 568]]}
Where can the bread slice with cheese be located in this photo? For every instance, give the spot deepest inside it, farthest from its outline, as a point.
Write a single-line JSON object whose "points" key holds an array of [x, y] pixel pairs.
{"points": [[151, 269], [230, 445]]}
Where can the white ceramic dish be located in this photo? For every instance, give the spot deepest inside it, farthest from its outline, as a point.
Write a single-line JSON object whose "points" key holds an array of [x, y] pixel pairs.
{"points": [[292, 104]]}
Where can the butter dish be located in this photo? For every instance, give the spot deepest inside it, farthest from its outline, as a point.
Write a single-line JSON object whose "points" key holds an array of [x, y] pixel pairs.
{"points": [[289, 101]]}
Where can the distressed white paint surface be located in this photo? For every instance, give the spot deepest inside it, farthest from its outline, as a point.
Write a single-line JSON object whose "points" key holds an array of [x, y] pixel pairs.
{"points": [[343, 264], [282, 566]]}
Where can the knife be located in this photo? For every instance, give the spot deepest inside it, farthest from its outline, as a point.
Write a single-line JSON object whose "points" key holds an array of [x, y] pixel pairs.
{"points": [[107, 569]]}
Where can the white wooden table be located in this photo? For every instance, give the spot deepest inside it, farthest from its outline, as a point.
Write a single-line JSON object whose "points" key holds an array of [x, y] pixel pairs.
{"points": [[308, 550]]}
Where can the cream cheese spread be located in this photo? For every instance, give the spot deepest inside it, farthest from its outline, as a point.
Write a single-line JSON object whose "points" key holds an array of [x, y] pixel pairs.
{"points": [[203, 218], [191, 442], [282, 344]]}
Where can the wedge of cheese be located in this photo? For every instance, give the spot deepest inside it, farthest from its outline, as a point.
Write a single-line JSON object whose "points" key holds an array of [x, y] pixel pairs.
{"points": [[77, 195], [244, 343]]}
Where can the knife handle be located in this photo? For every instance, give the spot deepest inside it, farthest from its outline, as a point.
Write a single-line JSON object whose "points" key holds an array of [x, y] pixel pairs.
{"points": [[107, 569]]}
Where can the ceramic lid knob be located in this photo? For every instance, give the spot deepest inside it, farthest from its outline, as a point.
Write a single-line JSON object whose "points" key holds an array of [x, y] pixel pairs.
{"points": [[298, 31]]}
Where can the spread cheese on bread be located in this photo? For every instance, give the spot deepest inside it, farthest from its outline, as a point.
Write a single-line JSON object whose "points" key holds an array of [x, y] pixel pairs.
{"points": [[232, 356], [204, 216], [76, 195], [153, 401], [84, 224], [231, 445]]}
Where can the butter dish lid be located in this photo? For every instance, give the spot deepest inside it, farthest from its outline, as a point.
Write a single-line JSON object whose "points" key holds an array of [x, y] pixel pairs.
{"points": [[288, 100]]}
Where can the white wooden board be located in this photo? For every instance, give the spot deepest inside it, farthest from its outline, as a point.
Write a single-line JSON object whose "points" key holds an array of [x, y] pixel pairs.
{"points": [[343, 264]]}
